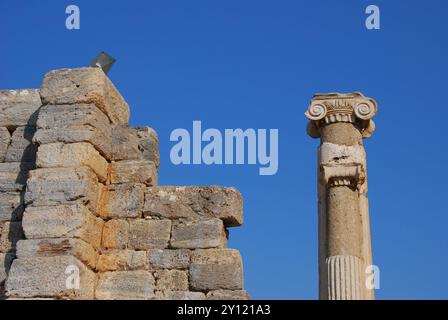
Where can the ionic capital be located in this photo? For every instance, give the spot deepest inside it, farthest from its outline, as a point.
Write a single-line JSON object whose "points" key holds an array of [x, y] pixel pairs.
{"points": [[336, 107]]}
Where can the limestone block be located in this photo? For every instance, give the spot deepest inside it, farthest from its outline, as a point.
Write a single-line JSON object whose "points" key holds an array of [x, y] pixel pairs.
{"points": [[11, 181], [5, 139], [47, 277], [169, 259], [214, 269], [19, 107], [136, 171], [74, 123], [148, 144], [125, 143], [173, 280], [85, 86], [22, 148], [149, 234], [13, 175], [122, 260], [124, 201], [60, 155], [75, 134], [69, 115], [125, 285], [198, 234], [17, 166], [11, 206], [135, 143], [10, 233], [58, 247], [195, 203], [64, 221], [116, 234], [59, 186], [228, 295], [5, 264], [182, 295]]}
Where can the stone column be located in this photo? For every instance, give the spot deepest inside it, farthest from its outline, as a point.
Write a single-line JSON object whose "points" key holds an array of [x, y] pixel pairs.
{"points": [[341, 121]]}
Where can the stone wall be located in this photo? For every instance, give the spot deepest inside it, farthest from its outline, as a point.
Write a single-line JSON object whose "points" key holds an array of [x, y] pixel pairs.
{"points": [[18, 115], [82, 215]]}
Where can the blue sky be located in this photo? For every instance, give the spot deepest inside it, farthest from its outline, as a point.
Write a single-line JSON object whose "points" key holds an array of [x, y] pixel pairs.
{"points": [[256, 64]]}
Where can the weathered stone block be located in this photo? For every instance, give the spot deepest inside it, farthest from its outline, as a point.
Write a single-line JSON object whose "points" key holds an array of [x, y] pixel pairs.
{"points": [[5, 264], [125, 285], [181, 295], [74, 123], [149, 234], [50, 277], [11, 206], [58, 247], [12, 181], [73, 135], [122, 260], [64, 221], [10, 233], [123, 201], [198, 234], [173, 280], [60, 155], [136, 171], [135, 143], [169, 259], [58, 186], [124, 143], [85, 86], [195, 202], [214, 269], [228, 295], [73, 115], [5, 139], [148, 144], [13, 175], [116, 234], [19, 107], [22, 148]]}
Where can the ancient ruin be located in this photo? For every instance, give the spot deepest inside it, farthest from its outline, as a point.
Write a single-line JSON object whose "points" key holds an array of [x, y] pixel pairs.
{"points": [[341, 121], [81, 213]]}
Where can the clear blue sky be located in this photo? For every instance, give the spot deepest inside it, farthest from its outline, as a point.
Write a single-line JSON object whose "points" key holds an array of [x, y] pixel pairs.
{"points": [[256, 64]]}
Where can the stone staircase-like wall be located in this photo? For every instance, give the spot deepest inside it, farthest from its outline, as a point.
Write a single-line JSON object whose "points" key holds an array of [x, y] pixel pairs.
{"points": [[81, 213]]}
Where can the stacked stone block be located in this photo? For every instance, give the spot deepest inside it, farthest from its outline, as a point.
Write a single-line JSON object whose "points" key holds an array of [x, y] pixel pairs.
{"points": [[18, 114], [96, 225]]}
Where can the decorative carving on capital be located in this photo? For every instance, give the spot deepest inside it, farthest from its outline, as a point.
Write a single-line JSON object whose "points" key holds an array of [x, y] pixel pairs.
{"points": [[351, 175], [316, 112], [336, 107]]}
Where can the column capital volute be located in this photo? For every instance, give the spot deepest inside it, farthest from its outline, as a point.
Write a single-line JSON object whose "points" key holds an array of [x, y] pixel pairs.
{"points": [[352, 108]]}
